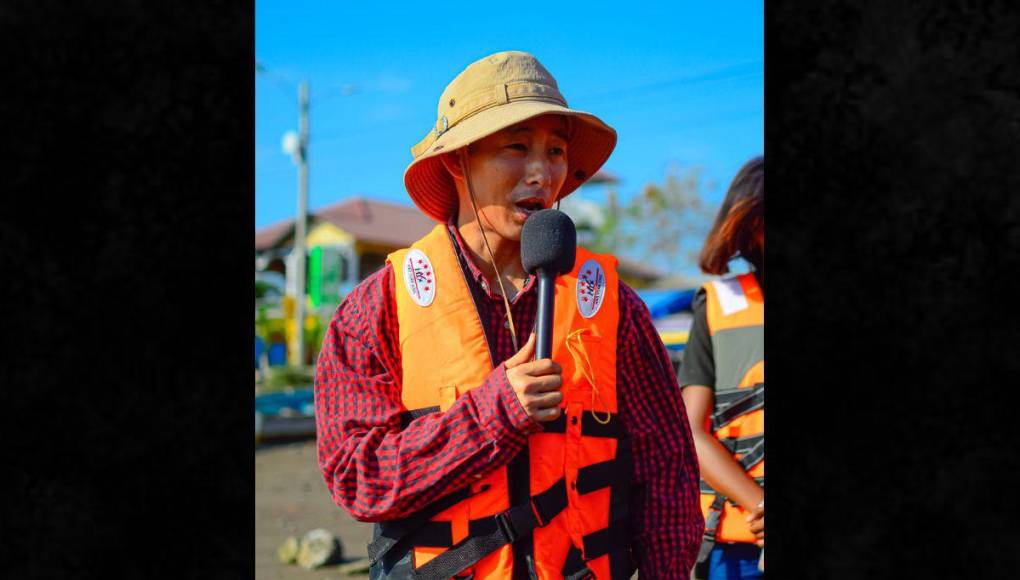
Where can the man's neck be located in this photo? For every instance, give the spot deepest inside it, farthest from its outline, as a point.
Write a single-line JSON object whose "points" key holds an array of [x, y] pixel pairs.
{"points": [[507, 253]]}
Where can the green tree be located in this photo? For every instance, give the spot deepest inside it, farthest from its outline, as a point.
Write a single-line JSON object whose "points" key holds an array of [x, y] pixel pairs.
{"points": [[664, 224]]}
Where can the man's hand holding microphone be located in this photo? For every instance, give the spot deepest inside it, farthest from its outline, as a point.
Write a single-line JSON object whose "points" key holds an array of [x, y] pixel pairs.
{"points": [[535, 382]]}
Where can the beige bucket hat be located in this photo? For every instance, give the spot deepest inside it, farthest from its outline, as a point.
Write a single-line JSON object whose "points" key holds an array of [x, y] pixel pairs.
{"points": [[489, 95]]}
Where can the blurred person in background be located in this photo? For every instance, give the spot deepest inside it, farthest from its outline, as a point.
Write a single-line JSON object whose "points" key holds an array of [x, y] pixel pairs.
{"points": [[433, 418], [722, 378]]}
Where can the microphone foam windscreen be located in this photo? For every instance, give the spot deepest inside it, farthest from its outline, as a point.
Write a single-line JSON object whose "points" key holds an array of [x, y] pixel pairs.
{"points": [[548, 242]]}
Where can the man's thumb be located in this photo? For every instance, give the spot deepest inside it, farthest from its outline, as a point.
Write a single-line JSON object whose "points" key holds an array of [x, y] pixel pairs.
{"points": [[524, 355]]}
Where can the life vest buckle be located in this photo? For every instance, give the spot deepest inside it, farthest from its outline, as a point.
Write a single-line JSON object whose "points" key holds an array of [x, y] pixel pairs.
{"points": [[516, 522], [506, 526], [714, 515]]}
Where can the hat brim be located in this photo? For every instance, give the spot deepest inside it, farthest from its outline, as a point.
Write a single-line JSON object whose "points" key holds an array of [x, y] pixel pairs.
{"points": [[431, 186]]}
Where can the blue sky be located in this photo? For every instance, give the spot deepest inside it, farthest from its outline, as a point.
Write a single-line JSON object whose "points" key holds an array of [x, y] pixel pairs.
{"points": [[681, 82]]}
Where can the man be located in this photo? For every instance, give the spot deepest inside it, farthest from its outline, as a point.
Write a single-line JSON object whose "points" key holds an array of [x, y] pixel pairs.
{"points": [[434, 421]]}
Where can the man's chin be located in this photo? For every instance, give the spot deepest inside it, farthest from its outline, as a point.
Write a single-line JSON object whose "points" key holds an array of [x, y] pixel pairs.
{"points": [[512, 234]]}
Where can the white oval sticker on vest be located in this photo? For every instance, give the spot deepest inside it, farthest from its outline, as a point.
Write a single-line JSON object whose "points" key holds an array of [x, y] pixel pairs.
{"points": [[591, 288], [419, 277]]}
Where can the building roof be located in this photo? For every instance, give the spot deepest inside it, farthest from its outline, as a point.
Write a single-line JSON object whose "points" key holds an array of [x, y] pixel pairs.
{"points": [[672, 281], [378, 221], [639, 270], [367, 220], [603, 176], [270, 236]]}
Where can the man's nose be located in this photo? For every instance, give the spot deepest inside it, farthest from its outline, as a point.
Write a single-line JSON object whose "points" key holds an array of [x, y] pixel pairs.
{"points": [[538, 169]]}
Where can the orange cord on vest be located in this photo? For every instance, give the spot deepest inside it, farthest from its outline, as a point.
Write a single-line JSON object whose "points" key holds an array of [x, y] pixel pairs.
{"points": [[580, 354]]}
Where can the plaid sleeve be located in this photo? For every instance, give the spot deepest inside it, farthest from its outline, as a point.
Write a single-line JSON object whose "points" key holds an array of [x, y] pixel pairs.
{"points": [[373, 468], [669, 520]]}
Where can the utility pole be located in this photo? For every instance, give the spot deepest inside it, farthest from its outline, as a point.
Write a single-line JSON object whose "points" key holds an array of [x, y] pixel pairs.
{"points": [[297, 146], [299, 229]]}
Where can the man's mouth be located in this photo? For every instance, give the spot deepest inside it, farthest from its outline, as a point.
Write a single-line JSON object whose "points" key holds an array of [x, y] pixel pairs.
{"points": [[530, 205]]}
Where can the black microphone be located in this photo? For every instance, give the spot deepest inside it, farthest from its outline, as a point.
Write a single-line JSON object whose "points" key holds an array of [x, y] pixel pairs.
{"points": [[548, 249]]}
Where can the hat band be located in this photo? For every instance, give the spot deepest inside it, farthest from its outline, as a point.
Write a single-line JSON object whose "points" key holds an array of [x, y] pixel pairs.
{"points": [[478, 101]]}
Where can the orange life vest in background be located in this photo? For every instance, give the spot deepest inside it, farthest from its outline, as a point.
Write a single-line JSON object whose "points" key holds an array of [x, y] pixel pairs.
{"points": [[559, 509], [735, 310]]}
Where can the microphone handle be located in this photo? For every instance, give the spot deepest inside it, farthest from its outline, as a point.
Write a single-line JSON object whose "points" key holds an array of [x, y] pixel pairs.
{"points": [[544, 317]]}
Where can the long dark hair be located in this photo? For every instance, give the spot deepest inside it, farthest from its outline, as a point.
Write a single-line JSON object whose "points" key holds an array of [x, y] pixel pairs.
{"points": [[740, 218]]}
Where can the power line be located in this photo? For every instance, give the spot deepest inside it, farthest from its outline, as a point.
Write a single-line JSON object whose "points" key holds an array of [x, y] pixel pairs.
{"points": [[339, 135], [630, 95], [344, 90], [736, 88], [280, 81], [719, 74], [274, 171]]}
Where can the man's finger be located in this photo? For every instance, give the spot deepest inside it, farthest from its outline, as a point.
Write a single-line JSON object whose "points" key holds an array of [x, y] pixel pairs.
{"points": [[543, 384], [524, 355], [541, 367], [549, 399], [547, 414]]}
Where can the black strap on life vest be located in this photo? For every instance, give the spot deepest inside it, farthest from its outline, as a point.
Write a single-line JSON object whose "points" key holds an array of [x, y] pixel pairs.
{"points": [[621, 537], [407, 416], [726, 397], [621, 565], [573, 566], [395, 533], [750, 400], [518, 473], [616, 538], [751, 451], [390, 534], [742, 445], [486, 535], [616, 534]]}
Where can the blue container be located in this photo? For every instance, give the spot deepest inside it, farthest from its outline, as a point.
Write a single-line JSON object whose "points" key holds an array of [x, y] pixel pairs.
{"points": [[260, 346], [277, 354]]}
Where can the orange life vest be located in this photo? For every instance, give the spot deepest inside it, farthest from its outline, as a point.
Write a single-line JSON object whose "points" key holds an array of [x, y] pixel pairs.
{"points": [[735, 311], [559, 509]]}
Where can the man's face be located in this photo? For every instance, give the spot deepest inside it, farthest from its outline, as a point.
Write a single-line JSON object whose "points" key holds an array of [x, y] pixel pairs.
{"points": [[517, 172]]}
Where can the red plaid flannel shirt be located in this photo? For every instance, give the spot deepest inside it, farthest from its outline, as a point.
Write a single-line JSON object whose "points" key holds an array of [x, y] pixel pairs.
{"points": [[378, 471]]}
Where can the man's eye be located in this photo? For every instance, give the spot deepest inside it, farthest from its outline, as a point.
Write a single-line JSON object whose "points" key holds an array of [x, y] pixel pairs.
{"points": [[517, 146], [556, 151]]}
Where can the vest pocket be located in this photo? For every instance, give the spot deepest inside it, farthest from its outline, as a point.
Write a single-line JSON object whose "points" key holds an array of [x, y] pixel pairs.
{"points": [[447, 396]]}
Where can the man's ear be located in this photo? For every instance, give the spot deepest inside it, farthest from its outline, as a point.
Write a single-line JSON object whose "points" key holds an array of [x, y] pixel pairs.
{"points": [[451, 161]]}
